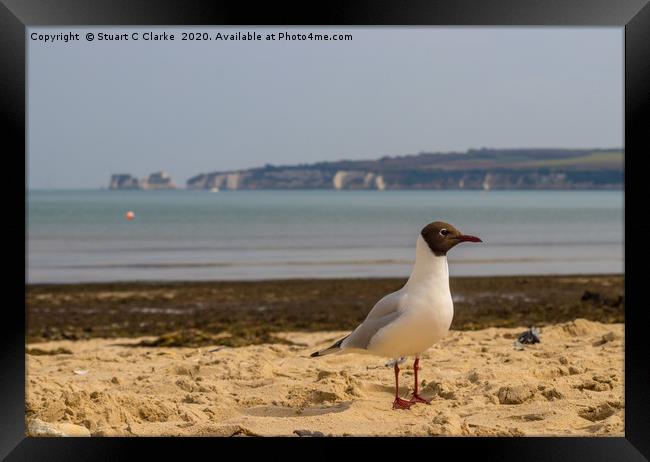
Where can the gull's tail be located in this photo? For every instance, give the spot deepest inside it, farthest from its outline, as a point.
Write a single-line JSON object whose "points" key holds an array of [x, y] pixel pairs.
{"points": [[333, 349]]}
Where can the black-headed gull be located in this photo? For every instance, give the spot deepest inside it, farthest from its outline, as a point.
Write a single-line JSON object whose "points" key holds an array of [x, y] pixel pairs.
{"points": [[409, 321]]}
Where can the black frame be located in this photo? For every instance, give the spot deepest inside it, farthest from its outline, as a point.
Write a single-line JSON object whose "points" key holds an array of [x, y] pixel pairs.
{"points": [[634, 15]]}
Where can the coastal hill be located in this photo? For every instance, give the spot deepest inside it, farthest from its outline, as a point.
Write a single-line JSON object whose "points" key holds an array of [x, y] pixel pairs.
{"points": [[474, 169]]}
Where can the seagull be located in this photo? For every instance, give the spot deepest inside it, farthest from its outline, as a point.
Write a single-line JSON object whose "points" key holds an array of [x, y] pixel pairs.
{"points": [[409, 321]]}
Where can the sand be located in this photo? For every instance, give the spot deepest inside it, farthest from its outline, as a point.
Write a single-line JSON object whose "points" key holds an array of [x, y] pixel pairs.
{"points": [[569, 384]]}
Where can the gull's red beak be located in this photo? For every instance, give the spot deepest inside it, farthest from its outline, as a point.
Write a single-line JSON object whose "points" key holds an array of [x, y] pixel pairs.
{"points": [[468, 238]]}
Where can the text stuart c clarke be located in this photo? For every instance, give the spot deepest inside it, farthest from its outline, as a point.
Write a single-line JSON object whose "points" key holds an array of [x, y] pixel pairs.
{"points": [[101, 36]]}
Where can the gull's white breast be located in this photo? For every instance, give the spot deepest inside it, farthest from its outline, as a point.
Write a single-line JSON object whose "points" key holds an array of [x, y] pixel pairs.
{"points": [[426, 313]]}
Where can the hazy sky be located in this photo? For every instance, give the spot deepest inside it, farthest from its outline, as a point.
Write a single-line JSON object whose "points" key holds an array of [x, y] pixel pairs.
{"points": [[97, 108]]}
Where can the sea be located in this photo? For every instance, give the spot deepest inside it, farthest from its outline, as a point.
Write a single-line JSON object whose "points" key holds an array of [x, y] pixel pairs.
{"points": [[83, 235]]}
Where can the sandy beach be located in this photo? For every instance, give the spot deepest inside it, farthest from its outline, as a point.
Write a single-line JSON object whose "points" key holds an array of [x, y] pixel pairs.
{"points": [[572, 383]]}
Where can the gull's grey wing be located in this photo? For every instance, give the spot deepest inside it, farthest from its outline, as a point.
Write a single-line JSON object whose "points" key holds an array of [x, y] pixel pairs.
{"points": [[383, 313], [361, 336], [386, 306]]}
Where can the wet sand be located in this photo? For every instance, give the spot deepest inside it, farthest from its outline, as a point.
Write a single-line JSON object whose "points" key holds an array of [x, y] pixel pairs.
{"points": [[244, 313]]}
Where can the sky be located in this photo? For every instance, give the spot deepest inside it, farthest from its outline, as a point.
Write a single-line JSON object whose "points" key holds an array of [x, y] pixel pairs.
{"points": [[187, 107]]}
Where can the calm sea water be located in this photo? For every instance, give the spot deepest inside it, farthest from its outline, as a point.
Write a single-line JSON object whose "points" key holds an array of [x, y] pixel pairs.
{"points": [[82, 236]]}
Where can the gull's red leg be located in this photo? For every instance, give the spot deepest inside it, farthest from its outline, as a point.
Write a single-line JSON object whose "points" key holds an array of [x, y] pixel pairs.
{"points": [[417, 398], [399, 403]]}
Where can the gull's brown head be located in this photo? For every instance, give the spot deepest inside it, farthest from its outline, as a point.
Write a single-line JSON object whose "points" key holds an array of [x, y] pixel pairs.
{"points": [[441, 237]]}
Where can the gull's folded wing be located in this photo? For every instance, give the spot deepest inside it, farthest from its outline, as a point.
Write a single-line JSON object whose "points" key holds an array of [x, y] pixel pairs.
{"points": [[382, 314]]}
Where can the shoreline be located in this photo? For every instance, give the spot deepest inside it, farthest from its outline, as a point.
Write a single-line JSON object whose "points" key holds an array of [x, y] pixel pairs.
{"points": [[118, 282], [237, 313]]}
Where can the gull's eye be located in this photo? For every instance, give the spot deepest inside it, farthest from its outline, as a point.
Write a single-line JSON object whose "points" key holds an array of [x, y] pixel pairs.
{"points": [[444, 232]]}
